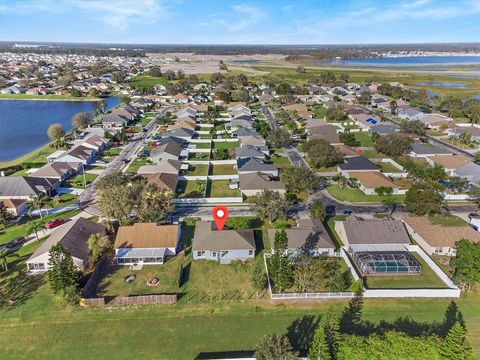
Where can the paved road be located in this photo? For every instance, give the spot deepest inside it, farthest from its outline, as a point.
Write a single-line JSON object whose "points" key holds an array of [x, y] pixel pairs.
{"points": [[269, 116], [88, 197], [206, 212]]}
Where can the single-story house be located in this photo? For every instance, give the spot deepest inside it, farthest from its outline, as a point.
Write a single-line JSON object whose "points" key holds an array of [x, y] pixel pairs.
{"points": [[371, 180], [461, 131], [254, 165], [254, 183], [469, 172], [146, 243], [168, 150], [80, 154], [449, 162], [242, 121], [187, 112], [410, 114], [181, 98], [309, 236], [183, 123], [73, 236], [357, 164], [114, 121], [437, 239], [436, 121], [58, 170], [248, 151], [164, 181], [181, 133], [166, 166], [223, 246], [383, 129], [355, 230], [419, 150]]}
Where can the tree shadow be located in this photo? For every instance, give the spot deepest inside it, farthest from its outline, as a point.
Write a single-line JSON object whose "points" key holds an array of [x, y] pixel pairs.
{"points": [[301, 331]]}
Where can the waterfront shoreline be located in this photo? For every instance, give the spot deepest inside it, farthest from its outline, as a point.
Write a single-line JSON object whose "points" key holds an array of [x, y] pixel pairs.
{"points": [[51, 99]]}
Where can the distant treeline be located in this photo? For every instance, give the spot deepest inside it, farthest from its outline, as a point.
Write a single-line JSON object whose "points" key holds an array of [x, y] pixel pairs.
{"points": [[74, 51], [318, 51]]}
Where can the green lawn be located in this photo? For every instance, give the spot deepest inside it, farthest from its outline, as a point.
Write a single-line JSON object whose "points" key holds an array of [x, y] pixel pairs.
{"points": [[223, 169], [355, 195], [198, 156], [365, 139], [190, 189], [20, 229], [137, 163], [447, 220], [426, 280], [64, 200], [113, 151], [147, 81], [371, 154], [225, 144], [320, 112], [79, 181], [330, 227], [219, 188], [114, 285], [219, 125], [202, 145], [197, 170], [281, 161], [388, 168], [20, 173], [38, 326]]}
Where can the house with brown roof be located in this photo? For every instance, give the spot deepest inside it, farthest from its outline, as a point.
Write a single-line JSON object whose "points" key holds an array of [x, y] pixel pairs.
{"points": [[371, 180], [257, 182], [146, 243], [183, 123], [73, 236], [223, 246], [167, 166], [163, 180], [436, 239], [308, 237], [449, 162], [301, 109], [58, 170]]}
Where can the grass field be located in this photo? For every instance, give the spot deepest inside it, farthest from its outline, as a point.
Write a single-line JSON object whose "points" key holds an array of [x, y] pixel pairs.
{"points": [[281, 161], [426, 280], [223, 169], [190, 189], [147, 81], [198, 156], [38, 326], [355, 195], [219, 188], [137, 163], [447, 220], [202, 145], [365, 139], [197, 170], [387, 167], [79, 181]]}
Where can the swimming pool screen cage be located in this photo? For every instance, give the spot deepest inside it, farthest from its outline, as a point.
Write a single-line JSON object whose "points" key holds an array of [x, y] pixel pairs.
{"points": [[386, 263]]}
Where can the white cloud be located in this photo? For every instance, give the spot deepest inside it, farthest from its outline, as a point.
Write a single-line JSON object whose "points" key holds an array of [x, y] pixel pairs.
{"points": [[249, 15], [120, 14]]}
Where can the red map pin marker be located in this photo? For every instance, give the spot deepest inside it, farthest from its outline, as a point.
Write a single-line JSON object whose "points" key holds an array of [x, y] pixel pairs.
{"points": [[220, 215]]}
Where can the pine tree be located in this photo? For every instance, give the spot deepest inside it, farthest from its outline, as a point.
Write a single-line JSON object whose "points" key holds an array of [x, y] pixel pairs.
{"points": [[62, 273], [326, 339], [281, 241], [318, 348], [456, 345], [280, 266]]}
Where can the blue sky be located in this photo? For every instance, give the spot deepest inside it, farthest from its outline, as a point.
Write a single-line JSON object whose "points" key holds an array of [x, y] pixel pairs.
{"points": [[240, 22]]}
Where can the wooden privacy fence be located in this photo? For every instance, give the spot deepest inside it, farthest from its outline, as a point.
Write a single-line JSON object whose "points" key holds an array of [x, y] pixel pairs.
{"points": [[130, 300]]}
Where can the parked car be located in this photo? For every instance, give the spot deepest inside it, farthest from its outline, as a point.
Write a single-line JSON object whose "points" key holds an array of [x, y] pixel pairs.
{"points": [[100, 161], [54, 223], [330, 210], [116, 144], [347, 212], [16, 242], [144, 153], [131, 131], [126, 161]]}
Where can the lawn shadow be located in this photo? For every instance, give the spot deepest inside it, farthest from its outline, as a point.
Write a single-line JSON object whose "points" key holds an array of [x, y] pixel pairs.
{"points": [[301, 331]]}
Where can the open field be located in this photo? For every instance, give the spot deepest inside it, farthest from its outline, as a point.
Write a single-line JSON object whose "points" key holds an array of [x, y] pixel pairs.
{"points": [[147, 81]]}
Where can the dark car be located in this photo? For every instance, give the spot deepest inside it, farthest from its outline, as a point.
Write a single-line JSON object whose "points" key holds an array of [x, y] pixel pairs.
{"points": [[144, 153], [347, 212], [14, 244], [330, 210], [54, 223], [126, 161]]}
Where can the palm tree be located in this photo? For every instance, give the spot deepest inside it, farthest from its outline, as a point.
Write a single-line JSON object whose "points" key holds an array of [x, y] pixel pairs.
{"points": [[37, 202], [353, 182], [342, 181], [34, 226]]}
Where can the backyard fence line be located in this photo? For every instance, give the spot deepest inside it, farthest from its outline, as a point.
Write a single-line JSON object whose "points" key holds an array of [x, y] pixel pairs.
{"points": [[225, 200], [90, 287], [322, 295]]}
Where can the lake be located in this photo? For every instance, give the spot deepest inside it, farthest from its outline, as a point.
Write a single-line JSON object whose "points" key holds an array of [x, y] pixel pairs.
{"points": [[24, 123], [410, 61], [455, 85]]}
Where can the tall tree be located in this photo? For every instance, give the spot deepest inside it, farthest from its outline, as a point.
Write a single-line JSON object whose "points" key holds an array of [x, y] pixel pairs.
{"points": [[37, 202], [456, 345], [5, 216], [279, 137], [3, 256], [81, 120], [56, 133], [258, 278], [154, 203], [62, 273], [270, 204], [317, 210], [99, 245], [424, 197], [326, 341], [274, 347], [33, 227], [393, 144], [298, 179], [322, 153], [115, 202], [467, 264], [280, 267]]}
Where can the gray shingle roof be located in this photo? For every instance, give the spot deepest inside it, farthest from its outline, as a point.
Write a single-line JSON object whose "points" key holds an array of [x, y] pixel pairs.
{"points": [[253, 164], [208, 238], [357, 163], [422, 149], [25, 185], [361, 231]]}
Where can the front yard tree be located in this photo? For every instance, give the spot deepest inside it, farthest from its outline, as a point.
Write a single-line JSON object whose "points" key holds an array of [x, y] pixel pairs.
{"points": [[3, 256], [335, 113], [298, 179], [424, 198], [62, 274], [34, 226], [456, 345], [169, 75], [115, 178], [155, 71], [56, 133], [154, 203], [270, 204], [349, 139], [393, 144], [80, 120], [322, 153], [99, 245], [115, 202], [279, 137], [467, 264], [274, 347], [5, 216], [317, 210], [36, 202]]}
